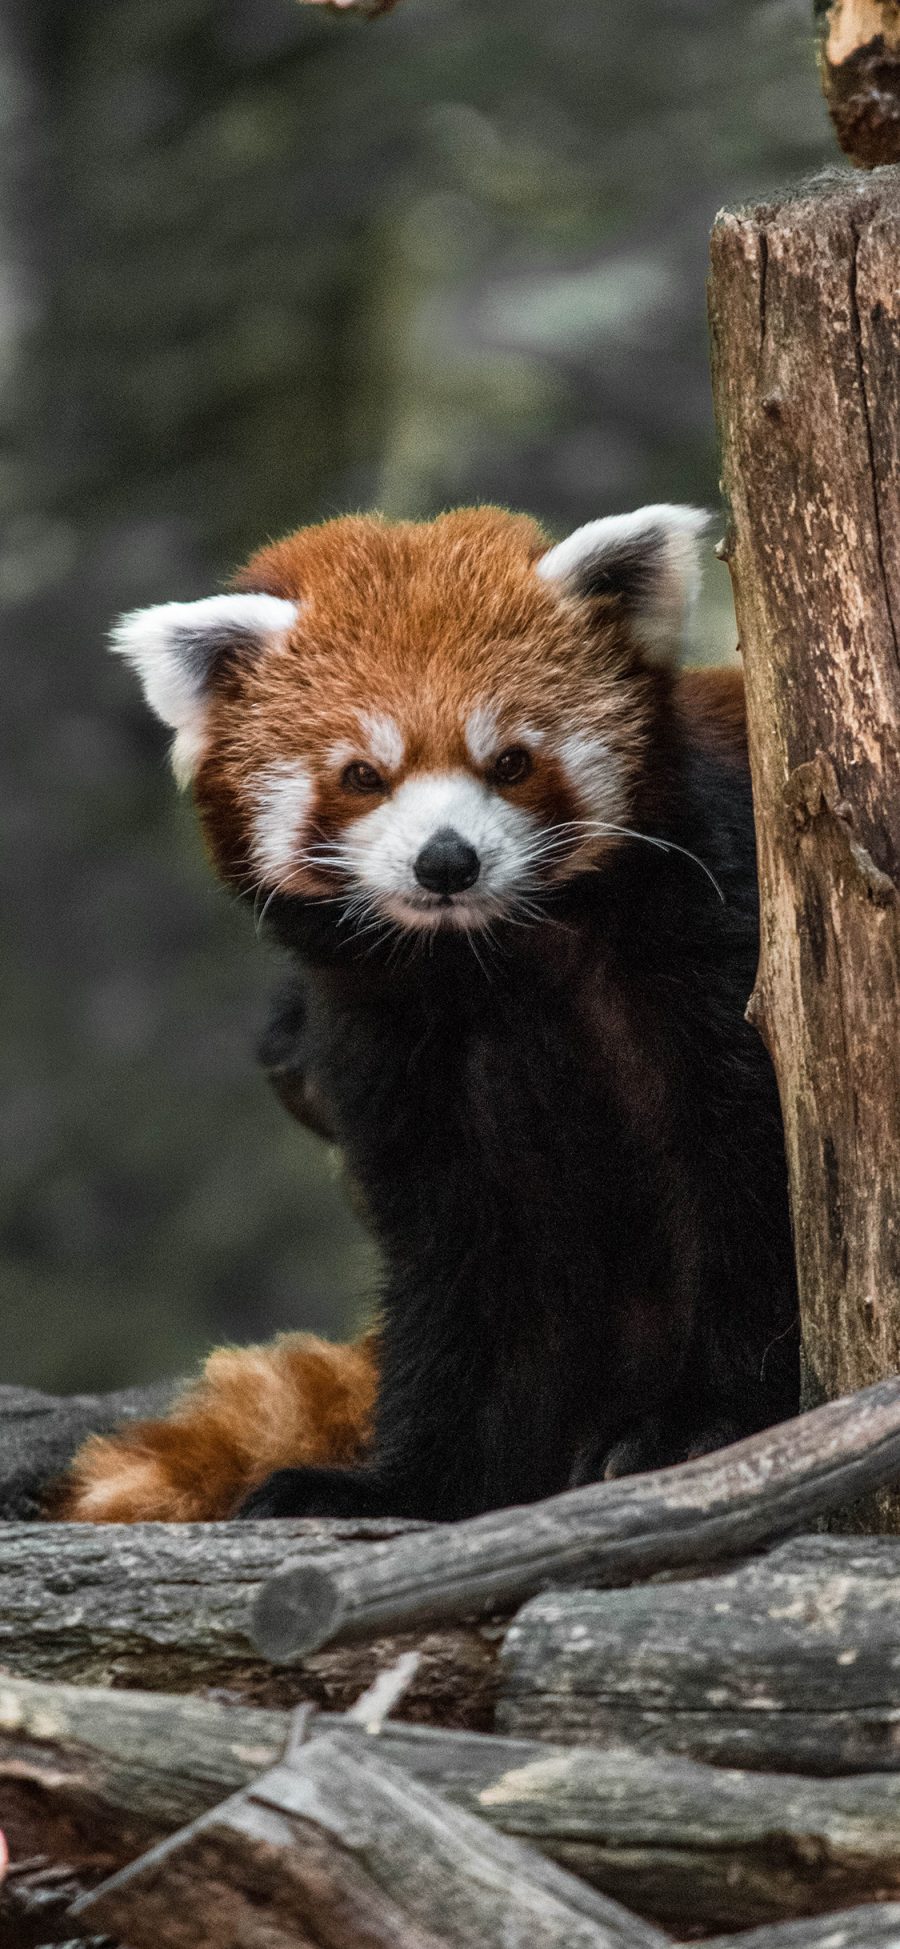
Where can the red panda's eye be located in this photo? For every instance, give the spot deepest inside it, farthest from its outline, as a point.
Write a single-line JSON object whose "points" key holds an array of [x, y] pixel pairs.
{"points": [[360, 777], [512, 766]]}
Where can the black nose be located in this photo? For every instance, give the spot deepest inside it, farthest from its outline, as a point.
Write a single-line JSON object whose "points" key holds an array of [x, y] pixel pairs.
{"points": [[447, 864]]}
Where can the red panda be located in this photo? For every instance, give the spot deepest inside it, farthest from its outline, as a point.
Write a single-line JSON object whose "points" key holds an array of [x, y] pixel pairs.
{"points": [[508, 850]]}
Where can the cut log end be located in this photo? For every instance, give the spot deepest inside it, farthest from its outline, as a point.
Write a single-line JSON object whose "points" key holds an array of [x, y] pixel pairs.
{"points": [[296, 1613]]}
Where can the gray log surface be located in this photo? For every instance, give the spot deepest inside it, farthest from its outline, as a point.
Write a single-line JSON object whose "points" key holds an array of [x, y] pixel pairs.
{"points": [[167, 1606], [855, 1928], [789, 1661], [93, 1778], [342, 1850], [609, 1532], [805, 317], [39, 1434]]}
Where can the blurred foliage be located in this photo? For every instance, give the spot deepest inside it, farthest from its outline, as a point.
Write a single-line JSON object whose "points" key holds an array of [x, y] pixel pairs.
{"points": [[259, 264]]}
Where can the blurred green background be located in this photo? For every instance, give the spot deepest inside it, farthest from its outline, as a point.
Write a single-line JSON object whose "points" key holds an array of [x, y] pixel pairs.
{"points": [[261, 264]]}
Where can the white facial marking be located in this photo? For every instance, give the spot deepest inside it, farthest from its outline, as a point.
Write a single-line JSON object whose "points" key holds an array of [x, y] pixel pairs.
{"points": [[383, 738], [485, 739], [656, 549], [594, 772], [482, 734], [341, 754], [174, 647], [282, 794], [381, 849]]}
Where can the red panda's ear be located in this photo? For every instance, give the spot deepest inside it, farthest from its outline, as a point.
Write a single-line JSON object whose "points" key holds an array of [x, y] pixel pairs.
{"points": [[176, 647], [649, 560]]}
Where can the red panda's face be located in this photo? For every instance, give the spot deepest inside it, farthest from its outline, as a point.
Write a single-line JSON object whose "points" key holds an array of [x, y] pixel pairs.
{"points": [[428, 722]]}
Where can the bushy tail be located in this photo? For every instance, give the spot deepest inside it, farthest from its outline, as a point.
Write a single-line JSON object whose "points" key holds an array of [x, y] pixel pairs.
{"points": [[254, 1409]]}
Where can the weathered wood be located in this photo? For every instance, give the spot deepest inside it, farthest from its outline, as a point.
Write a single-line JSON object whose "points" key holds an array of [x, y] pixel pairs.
{"points": [[340, 1849], [859, 60], [167, 1606], [854, 1928], [93, 1778], [791, 1661], [805, 314], [609, 1532], [39, 1434]]}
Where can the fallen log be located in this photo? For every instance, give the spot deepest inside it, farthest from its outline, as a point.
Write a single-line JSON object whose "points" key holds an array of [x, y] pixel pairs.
{"points": [[875, 1927], [787, 1662], [167, 1606], [609, 1532], [337, 1848], [93, 1778], [859, 61]]}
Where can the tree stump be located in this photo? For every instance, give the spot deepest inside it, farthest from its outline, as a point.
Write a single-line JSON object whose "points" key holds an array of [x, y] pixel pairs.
{"points": [[805, 314]]}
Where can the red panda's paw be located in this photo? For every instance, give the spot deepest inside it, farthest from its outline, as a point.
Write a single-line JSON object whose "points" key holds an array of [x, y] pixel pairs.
{"points": [[254, 1410], [316, 1492], [656, 1444]]}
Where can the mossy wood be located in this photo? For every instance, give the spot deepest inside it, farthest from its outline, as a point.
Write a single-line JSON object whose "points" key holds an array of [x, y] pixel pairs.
{"points": [[805, 318], [859, 60], [95, 1777]]}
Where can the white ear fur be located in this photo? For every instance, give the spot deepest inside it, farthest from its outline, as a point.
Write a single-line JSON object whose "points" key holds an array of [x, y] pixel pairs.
{"points": [[650, 559], [174, 648]]}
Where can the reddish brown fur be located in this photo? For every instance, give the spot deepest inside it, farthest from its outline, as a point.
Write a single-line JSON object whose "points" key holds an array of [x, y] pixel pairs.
{"points": [[423, 622], [254, 1409], [714, 704]]}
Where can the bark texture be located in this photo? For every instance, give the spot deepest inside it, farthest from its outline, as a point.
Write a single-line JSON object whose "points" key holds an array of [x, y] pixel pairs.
{"points": [[609, 1532], [859, 59], [337, 1848], [789, 1662], [853, 1928], [39, 1434], [95, 1777], [805, 316], [167, 1606]]}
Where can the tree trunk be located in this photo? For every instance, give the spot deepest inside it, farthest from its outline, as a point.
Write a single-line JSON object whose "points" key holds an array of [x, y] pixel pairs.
{"points": [[859, 59], [805, 313]]}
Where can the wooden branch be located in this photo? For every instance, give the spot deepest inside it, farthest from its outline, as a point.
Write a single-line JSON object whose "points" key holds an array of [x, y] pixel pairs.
{"points": [[610, 1532], [92, 1777], [341, 1848], [804, 312], [859, 60], [167, 1606], [874, 1927], [787, 1662]]}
